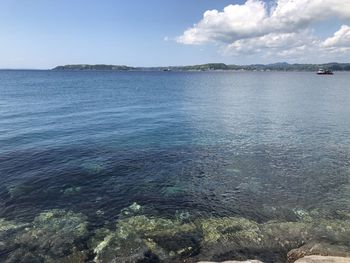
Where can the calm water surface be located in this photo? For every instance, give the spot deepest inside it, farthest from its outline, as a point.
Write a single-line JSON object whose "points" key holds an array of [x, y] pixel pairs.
{"points": [[260, 146]]}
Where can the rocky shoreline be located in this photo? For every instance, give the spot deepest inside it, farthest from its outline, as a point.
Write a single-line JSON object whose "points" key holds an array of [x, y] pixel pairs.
{"points": [[308, 259], [65, 236]]}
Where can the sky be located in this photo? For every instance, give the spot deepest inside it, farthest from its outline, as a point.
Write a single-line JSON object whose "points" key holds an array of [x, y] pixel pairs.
{"points": [[42, 34]]}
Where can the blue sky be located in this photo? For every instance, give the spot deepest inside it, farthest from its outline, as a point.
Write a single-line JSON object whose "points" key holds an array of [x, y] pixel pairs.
{"points": [[43, 34]]}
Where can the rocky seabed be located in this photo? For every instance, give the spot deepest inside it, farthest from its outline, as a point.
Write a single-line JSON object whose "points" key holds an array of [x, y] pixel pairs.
{"points": [[64, 236]]}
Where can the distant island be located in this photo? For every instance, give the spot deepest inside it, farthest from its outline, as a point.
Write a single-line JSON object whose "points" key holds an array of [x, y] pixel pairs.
{"points": [[282, 66]]}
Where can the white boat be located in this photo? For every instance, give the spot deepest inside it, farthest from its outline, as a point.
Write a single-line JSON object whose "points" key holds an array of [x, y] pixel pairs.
{"points": [[324, 72]]}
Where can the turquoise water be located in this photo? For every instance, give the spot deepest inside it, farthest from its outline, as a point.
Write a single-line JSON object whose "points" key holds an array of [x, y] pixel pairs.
{"points": [[214, 160]]}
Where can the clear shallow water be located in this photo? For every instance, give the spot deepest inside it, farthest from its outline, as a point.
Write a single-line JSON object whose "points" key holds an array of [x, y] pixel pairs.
{"points": [[194, 146]]}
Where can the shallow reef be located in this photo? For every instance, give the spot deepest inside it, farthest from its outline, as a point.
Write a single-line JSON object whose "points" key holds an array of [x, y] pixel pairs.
{"points": [[176, 240], [138, 236], [53, 236], [65, 236]]}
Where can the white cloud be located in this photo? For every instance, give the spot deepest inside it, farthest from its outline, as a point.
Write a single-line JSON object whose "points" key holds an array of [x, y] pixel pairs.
{"points": [[296, 14], [340, 41], [235, 22], [272, 41], [283, 28], [291, 46]]}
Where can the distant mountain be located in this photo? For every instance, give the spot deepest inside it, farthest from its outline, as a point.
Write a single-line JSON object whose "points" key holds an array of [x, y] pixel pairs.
{"points": [[93, 67], [280, 66]]}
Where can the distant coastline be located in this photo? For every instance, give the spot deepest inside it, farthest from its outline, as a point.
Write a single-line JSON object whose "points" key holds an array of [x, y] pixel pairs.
{"points": [[282, 66]]}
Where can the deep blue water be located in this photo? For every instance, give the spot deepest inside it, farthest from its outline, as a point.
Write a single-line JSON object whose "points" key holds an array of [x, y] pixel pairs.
{"points": [[205, 143]]}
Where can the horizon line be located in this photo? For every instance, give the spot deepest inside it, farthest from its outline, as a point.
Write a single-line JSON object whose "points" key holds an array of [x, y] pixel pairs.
{"points": [[174, 66]]}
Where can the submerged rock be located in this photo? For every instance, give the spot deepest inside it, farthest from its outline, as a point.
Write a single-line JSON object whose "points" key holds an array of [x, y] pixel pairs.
{"points": [[20, 190], [182, 216], [6, 226], [53, 236], [287, 234], [173, 190], [139, 237], [241, 239], [237, 238], [94, 167], [240, 229], [8, 232], [62, 236], [131, 210], [71, 191], [302, 214], [336, 231]]}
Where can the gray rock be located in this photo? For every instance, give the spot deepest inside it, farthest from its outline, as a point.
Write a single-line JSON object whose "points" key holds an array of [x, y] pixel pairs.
{"points": [[51, 237], [323, 259], [322, 249], [247, 261], [137, 238]]}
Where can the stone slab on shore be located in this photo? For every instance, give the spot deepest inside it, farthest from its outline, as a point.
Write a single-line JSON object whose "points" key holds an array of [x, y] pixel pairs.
{"points": [[318, 249], [323, 259], [234, 261], [307, 259]]}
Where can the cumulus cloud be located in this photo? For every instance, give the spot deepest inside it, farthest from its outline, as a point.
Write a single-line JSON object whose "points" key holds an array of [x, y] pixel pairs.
{"points": [[235, 22], [271, 42], [340, 41], [255, 27], [292, 14]]}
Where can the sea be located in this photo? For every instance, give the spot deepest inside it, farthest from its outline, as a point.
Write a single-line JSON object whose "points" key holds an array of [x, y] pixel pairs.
{"points": [[103, 166]]}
